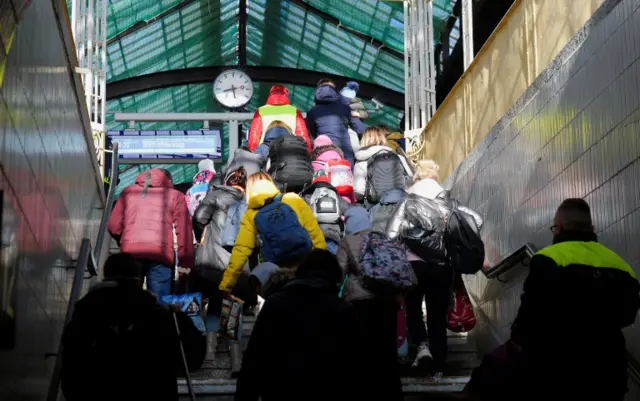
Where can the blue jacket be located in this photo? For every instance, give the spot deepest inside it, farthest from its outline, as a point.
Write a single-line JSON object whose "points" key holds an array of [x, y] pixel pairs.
{"points": [[270, 135], [331, 116]]}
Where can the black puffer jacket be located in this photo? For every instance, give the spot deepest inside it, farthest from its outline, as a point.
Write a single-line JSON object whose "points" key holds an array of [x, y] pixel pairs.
{"points": [[421, 223], [290, 163], [212, 214]]}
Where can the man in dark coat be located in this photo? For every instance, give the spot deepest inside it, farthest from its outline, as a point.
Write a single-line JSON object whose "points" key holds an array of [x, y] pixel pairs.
{"points": [[575, 283], [121, 345], [331, 116], [305, 344]]}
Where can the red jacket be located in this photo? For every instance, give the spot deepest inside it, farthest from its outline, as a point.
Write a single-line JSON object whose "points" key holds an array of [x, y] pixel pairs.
{"points": [[279, 96], [143, 223]]}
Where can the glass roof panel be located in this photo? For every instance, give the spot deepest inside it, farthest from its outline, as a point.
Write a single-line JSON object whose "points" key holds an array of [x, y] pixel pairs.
{"points": [[301, 39], [193, 36], [379, 19]]}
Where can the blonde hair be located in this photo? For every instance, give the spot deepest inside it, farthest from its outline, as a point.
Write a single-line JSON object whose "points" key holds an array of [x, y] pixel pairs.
{"points": [[373, 136], [260, 183], [426, 169], [279, 124]]}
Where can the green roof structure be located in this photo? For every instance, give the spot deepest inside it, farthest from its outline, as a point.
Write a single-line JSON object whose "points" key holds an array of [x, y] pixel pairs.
{"points": [[358, 40]]}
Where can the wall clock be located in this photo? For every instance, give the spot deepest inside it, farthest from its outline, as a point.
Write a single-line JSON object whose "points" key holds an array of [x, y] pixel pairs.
{"points": [[233, 89]]}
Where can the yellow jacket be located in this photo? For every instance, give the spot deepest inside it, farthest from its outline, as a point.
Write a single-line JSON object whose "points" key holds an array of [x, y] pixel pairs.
{"points": [[246, 239]]}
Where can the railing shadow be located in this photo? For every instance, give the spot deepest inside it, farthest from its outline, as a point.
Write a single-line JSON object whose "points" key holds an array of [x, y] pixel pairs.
{"points": [[89, 259]]}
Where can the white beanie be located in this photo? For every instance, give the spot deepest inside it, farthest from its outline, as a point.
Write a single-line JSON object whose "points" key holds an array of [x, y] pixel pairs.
{"points": [[351, 90], [206, 165]]}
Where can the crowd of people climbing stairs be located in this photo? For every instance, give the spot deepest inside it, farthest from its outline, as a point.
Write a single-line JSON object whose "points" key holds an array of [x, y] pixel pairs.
{"points": [[345, 239]]}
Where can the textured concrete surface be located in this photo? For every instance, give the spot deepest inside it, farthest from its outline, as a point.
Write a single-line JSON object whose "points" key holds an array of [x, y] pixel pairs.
{"points": [[50, 190]]}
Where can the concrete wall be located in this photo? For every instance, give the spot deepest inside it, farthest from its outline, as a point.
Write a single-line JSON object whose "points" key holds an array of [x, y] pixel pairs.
{"points": [[52, 190], [574, 133], [531, 34]]}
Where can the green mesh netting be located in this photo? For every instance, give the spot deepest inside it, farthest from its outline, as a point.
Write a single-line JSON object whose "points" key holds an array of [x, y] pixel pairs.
{"points": [[282, 34], [194, 36], [380, 20]]}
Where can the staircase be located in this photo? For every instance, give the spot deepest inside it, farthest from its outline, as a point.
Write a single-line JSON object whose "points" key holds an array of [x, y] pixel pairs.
{"points": [[214, 382]]}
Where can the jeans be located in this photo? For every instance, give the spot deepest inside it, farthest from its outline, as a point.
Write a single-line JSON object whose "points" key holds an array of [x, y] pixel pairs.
{"points": [[159, 279], [435, 286], [332, 247]]}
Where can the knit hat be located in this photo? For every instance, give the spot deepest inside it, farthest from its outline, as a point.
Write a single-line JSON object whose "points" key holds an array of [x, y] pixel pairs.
{"points": [[206, 165], [322, 140], [351, 90], [279, 89], [357, 219]]}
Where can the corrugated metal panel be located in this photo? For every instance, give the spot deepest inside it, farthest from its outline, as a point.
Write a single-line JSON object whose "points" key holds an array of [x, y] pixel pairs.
{"points": [[577, 136], [50, 190]]}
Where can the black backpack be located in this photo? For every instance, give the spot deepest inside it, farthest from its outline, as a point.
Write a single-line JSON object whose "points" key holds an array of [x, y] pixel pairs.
{"points": [[290, 163], [384, 172], [465, 249]]}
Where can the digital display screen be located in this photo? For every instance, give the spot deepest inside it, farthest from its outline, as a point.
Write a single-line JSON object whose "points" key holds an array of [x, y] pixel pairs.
{"points": [[167, 144]]}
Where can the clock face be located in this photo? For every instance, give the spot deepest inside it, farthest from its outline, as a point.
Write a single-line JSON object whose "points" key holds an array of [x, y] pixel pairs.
{"points": [[233, 89]]}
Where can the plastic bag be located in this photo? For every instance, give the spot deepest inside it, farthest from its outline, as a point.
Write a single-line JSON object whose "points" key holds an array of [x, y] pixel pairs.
{"points": [[461, 318], [230, 316], [191, 304]]}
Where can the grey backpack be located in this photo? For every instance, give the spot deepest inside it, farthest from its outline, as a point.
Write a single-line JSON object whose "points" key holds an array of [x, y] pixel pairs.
{"points": [[325, 204]]}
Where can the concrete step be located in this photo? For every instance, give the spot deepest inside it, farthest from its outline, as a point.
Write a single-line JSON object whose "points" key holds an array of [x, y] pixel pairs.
{"points": [[206, 388]]}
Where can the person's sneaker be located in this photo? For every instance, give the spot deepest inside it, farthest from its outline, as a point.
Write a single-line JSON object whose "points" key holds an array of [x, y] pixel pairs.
{"points": [[437, 376], [423, 355]]}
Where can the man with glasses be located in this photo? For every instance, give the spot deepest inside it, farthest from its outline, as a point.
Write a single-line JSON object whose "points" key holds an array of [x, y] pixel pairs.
{"points": [[567, 338]]}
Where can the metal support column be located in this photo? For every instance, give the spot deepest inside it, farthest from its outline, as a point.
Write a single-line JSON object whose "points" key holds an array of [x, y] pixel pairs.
{"points": [[420, 71], [407, 67], [234, 136], [467, 32], [89, 26]]}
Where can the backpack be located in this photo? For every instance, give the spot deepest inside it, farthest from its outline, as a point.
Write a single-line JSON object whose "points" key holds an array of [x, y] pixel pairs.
{"points": [[290, 163], [384, 264], [325, 205], [340, 176], [465, 249], [384, 172], [195, 194], [281, 237], [231, 228]]}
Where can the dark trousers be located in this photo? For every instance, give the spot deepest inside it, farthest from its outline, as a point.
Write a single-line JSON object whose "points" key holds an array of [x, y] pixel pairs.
{"points": [[378, 318], [209, 289], [435, 288]]}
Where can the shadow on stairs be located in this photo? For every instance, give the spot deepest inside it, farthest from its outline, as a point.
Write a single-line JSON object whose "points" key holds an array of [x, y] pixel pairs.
{"points": [[214, 381]]}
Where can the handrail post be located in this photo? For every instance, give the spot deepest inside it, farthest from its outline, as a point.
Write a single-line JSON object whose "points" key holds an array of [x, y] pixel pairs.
{"points": [[102, 230], [76, 290]]}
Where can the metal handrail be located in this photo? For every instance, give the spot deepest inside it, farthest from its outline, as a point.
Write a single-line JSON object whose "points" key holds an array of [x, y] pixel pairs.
{"points": [[526, 252], [84, 257], [508, 263], [113, 184]]}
